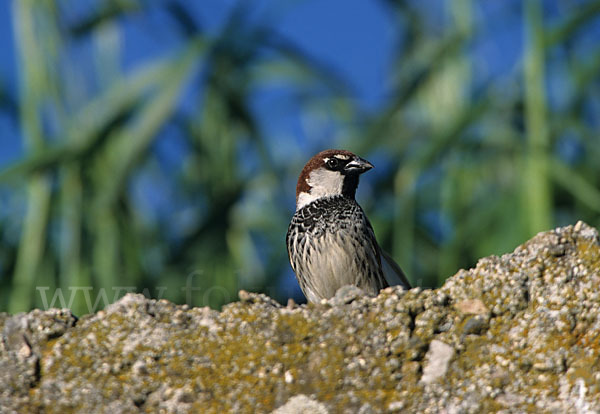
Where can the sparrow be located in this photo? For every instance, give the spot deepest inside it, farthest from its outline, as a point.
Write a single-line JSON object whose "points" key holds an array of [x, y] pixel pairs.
{"points": [[330, 241]]}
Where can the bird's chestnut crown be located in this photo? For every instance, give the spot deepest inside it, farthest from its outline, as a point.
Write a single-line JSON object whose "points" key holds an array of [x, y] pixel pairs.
{"points": [[329, 173]]}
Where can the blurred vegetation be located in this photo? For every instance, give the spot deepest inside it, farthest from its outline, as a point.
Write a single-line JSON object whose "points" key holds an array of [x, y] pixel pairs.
{"points": [[164, 175]]}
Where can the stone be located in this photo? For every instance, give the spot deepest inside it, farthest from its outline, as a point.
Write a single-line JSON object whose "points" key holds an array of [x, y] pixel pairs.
{"points": [[519, 333]]}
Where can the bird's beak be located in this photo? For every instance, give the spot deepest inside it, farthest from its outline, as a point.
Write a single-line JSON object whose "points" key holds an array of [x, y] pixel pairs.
{"points": [[358, 165]]}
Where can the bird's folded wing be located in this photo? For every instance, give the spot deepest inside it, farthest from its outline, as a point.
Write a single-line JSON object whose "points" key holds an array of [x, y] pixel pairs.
{"points": [[392, 272]]}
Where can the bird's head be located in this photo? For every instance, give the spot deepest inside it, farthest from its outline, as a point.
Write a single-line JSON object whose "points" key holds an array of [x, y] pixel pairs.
{"points": [[329, 173]]}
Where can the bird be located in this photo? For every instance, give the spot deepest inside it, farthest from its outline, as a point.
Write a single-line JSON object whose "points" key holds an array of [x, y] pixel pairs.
{"points": [[330, 241]]}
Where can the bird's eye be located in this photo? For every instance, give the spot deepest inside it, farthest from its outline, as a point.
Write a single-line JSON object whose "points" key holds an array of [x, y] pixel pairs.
{"points": [[332, 163]]}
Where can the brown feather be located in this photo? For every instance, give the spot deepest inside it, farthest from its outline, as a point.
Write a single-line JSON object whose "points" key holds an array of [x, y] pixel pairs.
{"points": [[316, 162]]}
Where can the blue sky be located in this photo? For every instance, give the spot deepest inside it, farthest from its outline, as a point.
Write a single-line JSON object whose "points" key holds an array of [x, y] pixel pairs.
{"points": [[355, 39], [358, 47]]}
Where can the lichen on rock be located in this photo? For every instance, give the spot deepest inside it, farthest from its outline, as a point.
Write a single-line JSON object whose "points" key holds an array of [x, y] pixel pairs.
{"points": [[517, 333]]}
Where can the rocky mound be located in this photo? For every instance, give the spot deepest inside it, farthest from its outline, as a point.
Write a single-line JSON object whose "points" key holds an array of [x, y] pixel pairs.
{"points": [[518, 333]]}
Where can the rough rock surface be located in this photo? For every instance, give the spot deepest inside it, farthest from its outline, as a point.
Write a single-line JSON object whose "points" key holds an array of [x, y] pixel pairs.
{"points": [[518, 333]]}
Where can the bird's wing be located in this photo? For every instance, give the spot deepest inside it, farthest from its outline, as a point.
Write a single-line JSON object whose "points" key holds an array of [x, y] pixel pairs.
{"points": [[392, 272]]}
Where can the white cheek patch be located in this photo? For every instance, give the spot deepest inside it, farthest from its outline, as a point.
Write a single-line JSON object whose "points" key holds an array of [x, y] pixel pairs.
{"points": [[323, 183], [303, 199]]}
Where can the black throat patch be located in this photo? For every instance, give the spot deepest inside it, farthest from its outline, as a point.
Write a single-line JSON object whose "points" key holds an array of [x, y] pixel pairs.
{"points": [[350, 185]]}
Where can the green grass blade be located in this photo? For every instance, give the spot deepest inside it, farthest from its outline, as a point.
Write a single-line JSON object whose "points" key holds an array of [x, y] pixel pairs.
{"points": [[536, 186]]}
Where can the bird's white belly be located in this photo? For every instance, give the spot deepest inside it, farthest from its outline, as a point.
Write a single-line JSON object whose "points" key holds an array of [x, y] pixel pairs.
{"points": [[336, 260]]}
